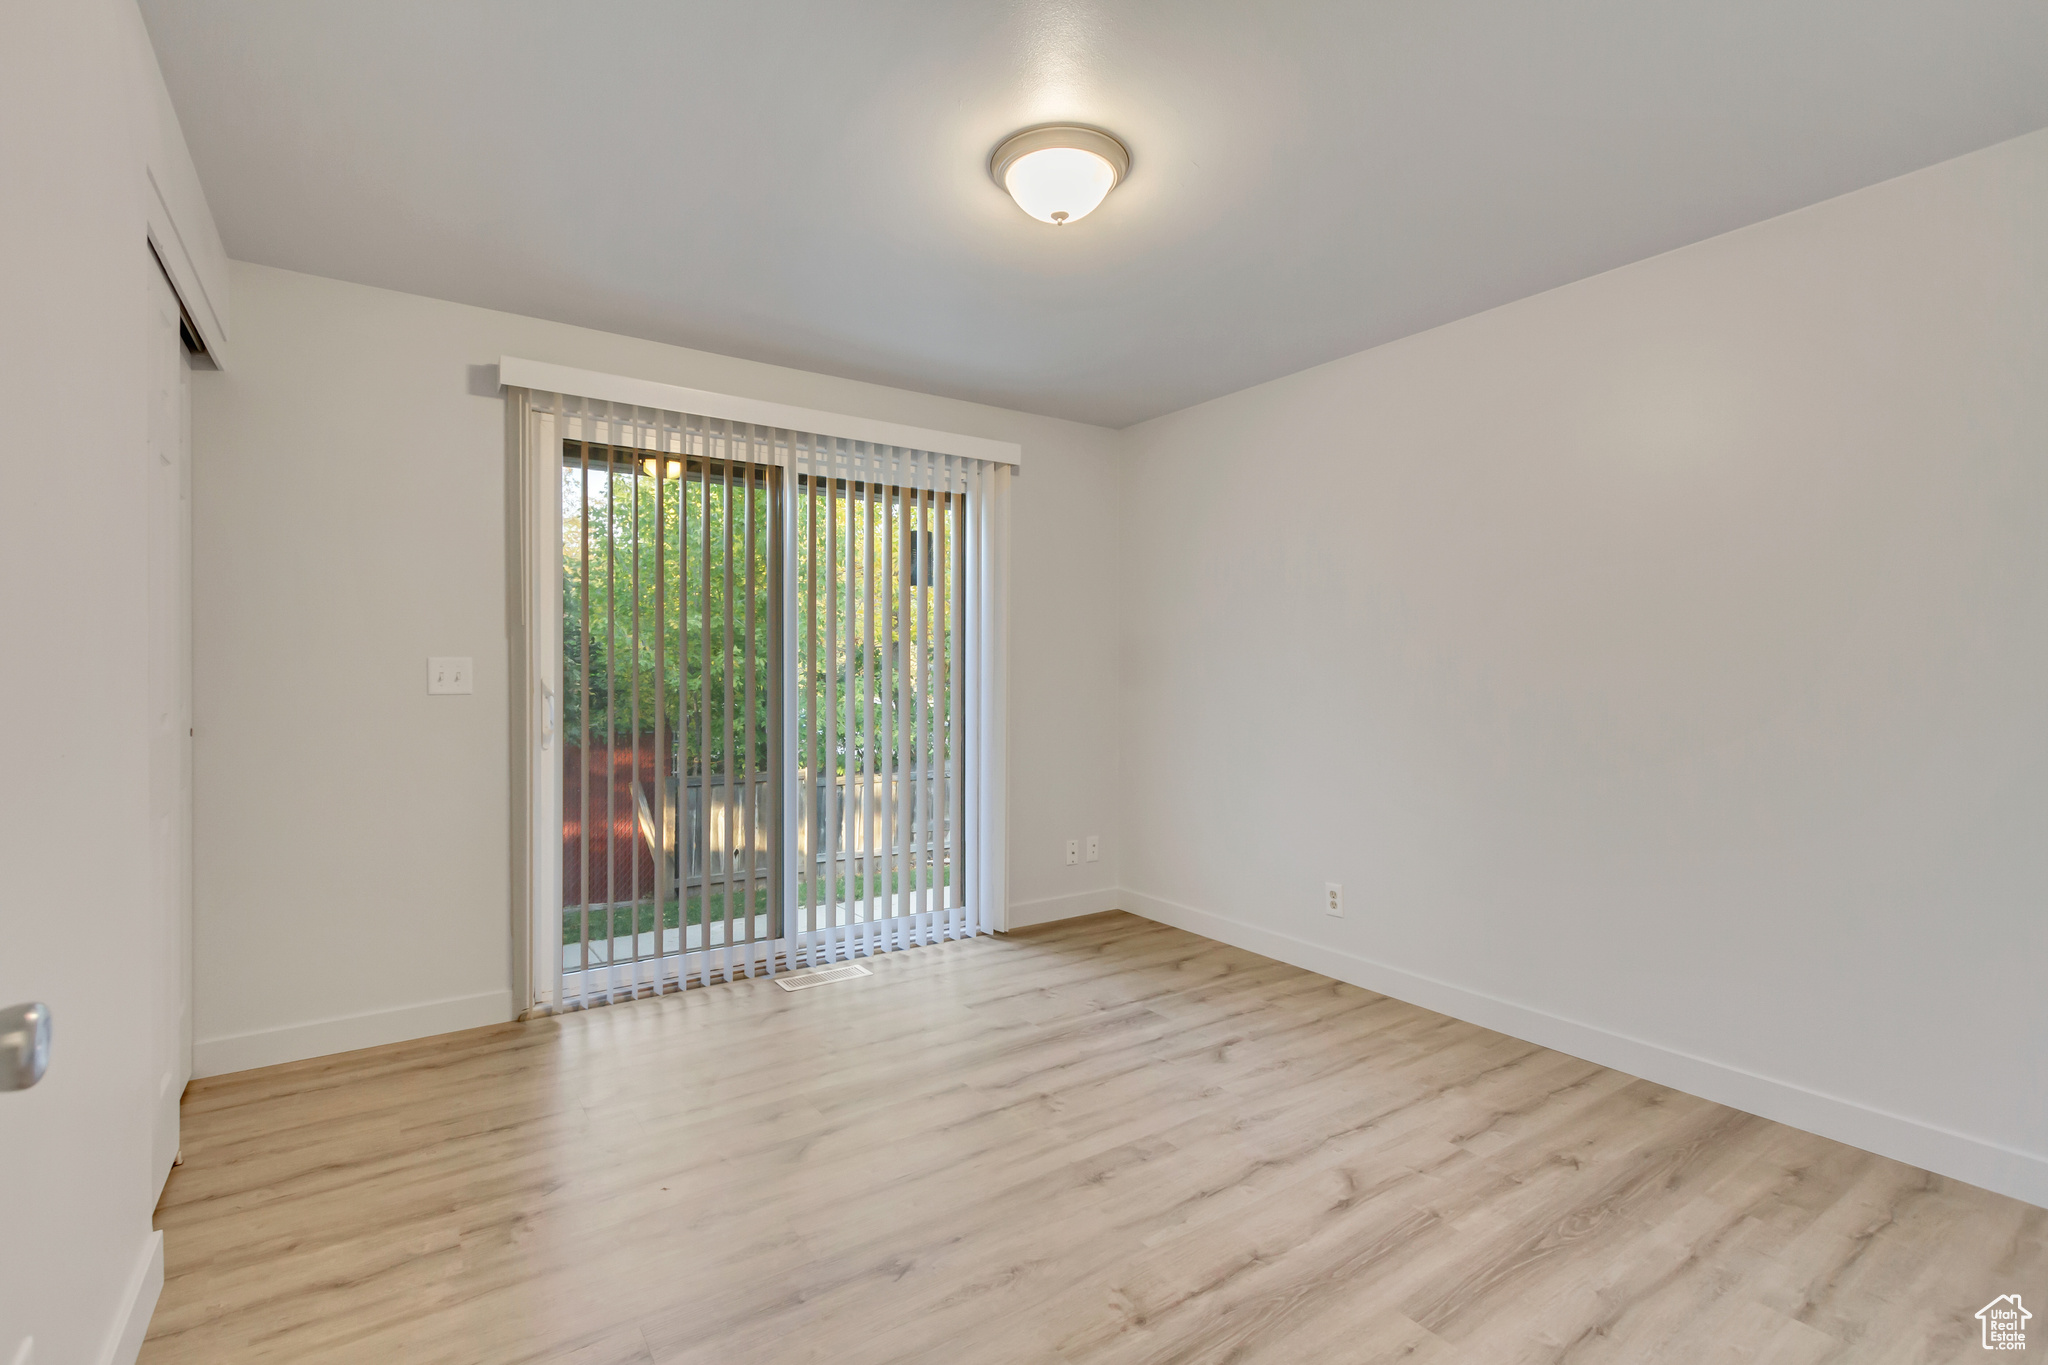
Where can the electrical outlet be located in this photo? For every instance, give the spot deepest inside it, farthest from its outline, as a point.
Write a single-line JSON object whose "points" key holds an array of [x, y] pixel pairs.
{"points": [[1094, 847], [1333, 899], [26, 1355], [450, 676], [1073, 852]]}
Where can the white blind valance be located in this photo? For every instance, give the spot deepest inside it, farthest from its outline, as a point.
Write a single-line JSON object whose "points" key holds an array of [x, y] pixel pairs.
{"points": [[620, 396], [696, 436]]}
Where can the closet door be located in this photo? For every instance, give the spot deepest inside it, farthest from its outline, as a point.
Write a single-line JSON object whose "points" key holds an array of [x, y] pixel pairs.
{"points": [[168, 599]]}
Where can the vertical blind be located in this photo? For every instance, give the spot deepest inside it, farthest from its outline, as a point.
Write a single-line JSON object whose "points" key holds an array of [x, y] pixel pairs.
{"points": [[879, 602], [668, 671], [777, 710]]}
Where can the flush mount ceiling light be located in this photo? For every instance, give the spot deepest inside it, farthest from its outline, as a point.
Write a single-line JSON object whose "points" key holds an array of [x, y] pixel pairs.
{"points": [[1059, 173]]}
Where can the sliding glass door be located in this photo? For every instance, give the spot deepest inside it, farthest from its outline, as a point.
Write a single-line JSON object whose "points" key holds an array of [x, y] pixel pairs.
{"points": [[765, 700], [879, 603], [672, 688]]}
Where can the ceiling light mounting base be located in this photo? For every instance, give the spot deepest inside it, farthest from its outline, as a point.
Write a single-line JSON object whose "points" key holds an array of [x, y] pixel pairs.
{"points": [[1060, 135]]}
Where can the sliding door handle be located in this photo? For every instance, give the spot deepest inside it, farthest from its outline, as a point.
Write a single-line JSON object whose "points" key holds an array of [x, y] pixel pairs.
{"points": [[24, 1045]]}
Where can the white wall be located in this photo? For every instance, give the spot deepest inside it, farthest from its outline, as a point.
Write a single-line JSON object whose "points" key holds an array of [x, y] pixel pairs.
{"points": [[82, 131], [352, 882], [1660, 664]]}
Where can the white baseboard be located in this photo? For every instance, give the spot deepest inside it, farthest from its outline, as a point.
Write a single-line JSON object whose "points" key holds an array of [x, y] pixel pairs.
{"points": [[1024, 914], [324, 1037], [125, 1334], [2023, 1175]]}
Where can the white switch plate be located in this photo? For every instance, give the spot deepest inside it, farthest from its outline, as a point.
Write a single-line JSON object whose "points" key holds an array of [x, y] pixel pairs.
{"points": [[1094, 847], [1073, 852], [1333, 899], [27, 1354], [450, 675]]}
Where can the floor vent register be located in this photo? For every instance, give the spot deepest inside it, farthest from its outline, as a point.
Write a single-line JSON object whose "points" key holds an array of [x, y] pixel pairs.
{"points": [[824, 976]]}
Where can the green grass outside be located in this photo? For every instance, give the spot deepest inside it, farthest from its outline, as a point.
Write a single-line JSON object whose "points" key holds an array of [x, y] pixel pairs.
{"points": [[623, 917]]}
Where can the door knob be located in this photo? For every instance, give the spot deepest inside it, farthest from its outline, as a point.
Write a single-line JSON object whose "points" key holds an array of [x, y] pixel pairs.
{"points": [[24, 1044]]}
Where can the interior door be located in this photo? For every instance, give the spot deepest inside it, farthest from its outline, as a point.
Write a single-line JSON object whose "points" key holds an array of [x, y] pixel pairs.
{"points": [[169, 603]]}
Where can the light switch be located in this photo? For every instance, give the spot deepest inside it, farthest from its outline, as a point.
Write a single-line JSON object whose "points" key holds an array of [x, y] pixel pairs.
{"points": [[448, 676]]}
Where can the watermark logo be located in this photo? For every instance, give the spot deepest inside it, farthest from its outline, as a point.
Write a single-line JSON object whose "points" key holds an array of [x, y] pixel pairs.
{"points": [[2005, 1323]]}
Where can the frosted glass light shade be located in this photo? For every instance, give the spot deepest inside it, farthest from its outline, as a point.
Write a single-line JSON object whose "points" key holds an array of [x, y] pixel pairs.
{"points": [[1059, 184], [1059, 175]]}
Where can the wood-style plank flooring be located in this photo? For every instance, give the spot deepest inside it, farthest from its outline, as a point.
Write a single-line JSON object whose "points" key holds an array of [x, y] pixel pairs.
{"points": [[1104, 1141]]}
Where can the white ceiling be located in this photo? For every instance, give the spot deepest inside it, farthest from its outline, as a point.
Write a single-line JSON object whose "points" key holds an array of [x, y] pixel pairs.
{"points": [[802, 181]]}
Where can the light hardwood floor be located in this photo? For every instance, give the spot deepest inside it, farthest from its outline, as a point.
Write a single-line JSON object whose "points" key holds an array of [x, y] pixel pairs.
{"points": [[1103, 1141]]}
